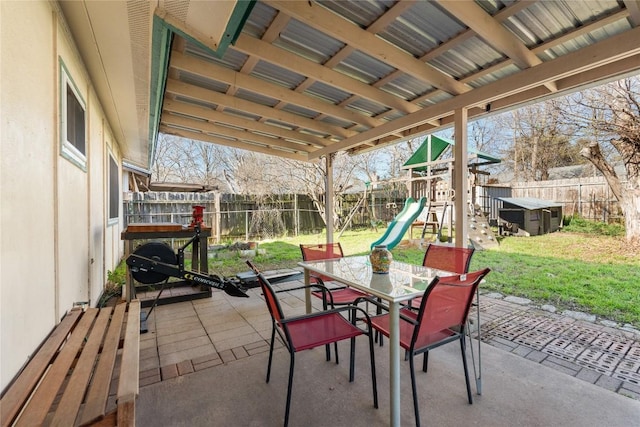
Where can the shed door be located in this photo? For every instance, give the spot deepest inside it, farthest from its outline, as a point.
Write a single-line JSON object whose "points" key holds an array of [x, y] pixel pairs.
{"points": [[546, 221]]}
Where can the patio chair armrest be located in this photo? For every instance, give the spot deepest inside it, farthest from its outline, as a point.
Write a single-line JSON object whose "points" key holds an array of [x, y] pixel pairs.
{"points": [[371, 300]]}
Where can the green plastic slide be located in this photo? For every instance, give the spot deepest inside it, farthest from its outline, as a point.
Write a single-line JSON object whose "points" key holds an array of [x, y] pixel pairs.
{"points": [[401, 223]]}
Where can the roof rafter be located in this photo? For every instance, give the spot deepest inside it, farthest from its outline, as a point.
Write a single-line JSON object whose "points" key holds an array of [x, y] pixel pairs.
{"points": [[200, 94], [324, 20], [600, 54], [229, 142], [252, 84], [214, 116], [474, 17]]}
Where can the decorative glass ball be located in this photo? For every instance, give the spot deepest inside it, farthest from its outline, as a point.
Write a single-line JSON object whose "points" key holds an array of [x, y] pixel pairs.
{"points": [[380, 259]]}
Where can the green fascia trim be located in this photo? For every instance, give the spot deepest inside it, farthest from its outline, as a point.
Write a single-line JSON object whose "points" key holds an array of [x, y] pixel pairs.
{"points": [[160, 49], [232, 32]]}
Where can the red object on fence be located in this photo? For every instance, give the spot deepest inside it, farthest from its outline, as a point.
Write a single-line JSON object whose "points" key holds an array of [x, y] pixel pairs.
{"points": [[198, 215]]}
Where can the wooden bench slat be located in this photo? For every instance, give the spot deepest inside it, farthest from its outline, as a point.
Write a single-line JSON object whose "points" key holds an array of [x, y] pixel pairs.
{"points": [[129, 373], [98, 394], [19, 391], [37, 409], [71, 400]]}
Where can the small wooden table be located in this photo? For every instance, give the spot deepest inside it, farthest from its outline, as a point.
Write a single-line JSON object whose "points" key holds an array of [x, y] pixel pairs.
{"points": [[160, 231]]}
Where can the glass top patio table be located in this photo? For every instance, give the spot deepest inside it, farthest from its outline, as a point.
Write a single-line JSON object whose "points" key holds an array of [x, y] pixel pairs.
{"points": [[402, 283]]}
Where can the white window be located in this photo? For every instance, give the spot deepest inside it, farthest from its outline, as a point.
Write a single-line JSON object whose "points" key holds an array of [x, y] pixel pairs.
{"points": [[114, 189], [72, 120]]}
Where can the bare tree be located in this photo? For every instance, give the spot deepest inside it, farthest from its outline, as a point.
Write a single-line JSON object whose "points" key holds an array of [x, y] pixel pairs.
{"points": [[608, 118], [540, 142]]}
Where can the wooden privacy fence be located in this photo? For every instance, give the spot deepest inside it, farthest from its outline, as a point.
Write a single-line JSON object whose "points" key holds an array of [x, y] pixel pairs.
{"points": [[237, 216], [589, 197]]}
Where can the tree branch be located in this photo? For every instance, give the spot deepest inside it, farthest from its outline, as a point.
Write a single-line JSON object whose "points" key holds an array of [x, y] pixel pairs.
{"points": [[592, 153]]}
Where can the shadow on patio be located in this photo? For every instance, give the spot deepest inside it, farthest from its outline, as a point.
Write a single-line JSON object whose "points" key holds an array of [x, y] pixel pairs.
{"points": [[203, 362]]}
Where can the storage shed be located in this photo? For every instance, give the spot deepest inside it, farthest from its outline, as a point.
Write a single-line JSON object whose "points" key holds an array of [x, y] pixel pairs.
{"points": [[535, 216]]}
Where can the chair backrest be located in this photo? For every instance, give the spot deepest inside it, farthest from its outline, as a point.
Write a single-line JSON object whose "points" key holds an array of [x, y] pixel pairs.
{"points": [[448, 258], [269, 294], [446, 304], [320, 251]]}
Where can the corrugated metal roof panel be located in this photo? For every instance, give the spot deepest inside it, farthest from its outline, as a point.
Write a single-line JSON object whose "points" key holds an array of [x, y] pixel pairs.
{"points": [[362, 12], [242, 114], [232, 58], [300, 111], [496, 75], [364, 67], [203, 82], [414, 31], [257, 98], [278, 75], [543, 20], [368, 107], [196, 102], [308, 42], [436, 97], [328, 93], [585, 40], [259, 20], [407, 87]]}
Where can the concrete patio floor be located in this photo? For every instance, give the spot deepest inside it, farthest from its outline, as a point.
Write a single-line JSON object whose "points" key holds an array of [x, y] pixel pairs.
{"points": [[203, 362]]}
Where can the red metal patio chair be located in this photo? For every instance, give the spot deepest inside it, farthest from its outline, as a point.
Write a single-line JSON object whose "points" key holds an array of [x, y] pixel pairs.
{"points": [[342, 295], [456, 260], [448, 258], [308, 331], [441, 319], [337, 295]]}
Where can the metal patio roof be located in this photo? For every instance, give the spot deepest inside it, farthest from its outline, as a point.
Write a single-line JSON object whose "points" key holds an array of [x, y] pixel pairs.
{"points": [[303, 79]]}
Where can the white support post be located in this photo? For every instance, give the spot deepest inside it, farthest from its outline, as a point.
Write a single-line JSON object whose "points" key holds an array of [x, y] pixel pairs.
{"points": [[461, 157], [328, 208]]}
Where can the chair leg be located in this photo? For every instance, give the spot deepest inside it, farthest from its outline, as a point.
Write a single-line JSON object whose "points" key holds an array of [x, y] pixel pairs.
{"points": [[352, 359], [466, 368], [327, 347], [273, 337], [416, 409], [374, 382], [290, 386], [425, 361]]}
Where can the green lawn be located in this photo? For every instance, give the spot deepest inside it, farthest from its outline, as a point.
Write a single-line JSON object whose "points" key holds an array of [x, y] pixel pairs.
{"points": [[590, 272], [585, 267]]}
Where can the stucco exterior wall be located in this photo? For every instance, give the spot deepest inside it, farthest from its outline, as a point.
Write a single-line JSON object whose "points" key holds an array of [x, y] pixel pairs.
{"points": [[54, 247]]}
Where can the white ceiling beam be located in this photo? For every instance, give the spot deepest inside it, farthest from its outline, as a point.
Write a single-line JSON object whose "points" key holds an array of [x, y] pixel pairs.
{"points": [[203, 113], [229, 132], [200, 94], [231, 143], [633, 6], [225, 75], [491, 31], [296, 63], [316, 16], [615, 48]]}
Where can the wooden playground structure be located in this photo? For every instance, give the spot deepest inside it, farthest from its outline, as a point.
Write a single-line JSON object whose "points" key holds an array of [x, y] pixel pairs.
{"points": [[431, 177]]}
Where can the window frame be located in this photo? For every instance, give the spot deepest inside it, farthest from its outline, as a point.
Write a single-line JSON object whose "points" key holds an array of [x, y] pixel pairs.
{"points": [[113, 172], [68, 149]]}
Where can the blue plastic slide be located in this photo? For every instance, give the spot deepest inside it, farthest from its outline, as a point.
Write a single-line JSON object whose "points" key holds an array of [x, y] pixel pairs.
{"points": [[401, 223]]}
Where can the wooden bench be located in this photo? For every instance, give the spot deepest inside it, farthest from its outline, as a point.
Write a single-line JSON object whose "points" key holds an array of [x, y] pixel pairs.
{"points": [[68, 380]]}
